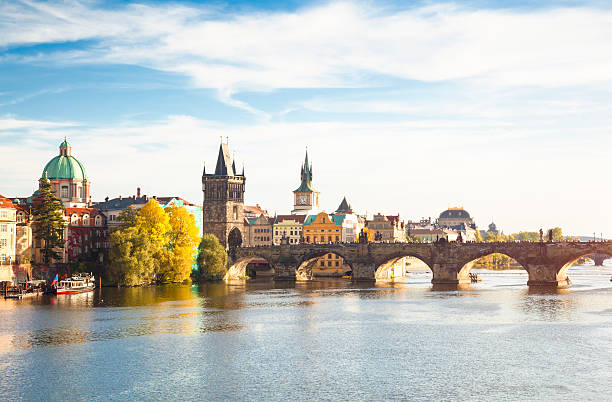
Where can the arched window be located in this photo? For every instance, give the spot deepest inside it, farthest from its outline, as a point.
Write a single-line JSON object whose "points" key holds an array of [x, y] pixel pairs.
{"points": [[85, 220], [235, 213], [74, 219], [98, 220]]}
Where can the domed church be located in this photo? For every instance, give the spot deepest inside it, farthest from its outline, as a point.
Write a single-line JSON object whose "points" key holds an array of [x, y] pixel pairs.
{"points": [[68, 178]]}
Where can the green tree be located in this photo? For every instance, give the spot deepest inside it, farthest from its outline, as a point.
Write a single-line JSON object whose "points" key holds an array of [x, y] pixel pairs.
{"points": [[131, 257], [49, 224], [127, 217], [177, 257], [557, 234], [212, 258]]}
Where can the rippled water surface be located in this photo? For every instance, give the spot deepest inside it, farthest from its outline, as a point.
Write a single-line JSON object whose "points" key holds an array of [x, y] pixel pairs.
{"points": [[261, 340]]}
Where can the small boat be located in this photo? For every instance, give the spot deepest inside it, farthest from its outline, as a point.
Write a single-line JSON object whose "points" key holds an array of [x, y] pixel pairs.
{"points": [[79, 283]]}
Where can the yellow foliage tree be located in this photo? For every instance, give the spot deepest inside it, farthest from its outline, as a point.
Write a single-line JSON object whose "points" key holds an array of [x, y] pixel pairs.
{"points": [[153, 222], [178, 256]]}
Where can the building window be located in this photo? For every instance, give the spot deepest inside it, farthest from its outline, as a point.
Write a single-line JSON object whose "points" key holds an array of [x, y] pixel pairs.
{"points": [[308, 239], [98, 220], [235, 210], [329, 263], [322, 263], [86, 220], [20, 218], [337, 263], [2, 242], [74, 220], [3, 228], [323, 239], [3, 214], [80, 192], [64, 191], [337, 238]]}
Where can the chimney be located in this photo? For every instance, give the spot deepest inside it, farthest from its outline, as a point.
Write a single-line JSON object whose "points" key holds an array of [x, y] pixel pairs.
{"points": [[138, 192], [106, 199], [120, 197]]}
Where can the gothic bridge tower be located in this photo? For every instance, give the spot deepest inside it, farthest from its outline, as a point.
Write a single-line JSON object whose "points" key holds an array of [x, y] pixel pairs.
{"points": [[224, 201]]}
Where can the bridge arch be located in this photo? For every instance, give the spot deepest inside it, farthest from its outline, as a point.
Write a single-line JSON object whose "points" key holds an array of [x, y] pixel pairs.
{"points": [[324, 259], [238, 267], [491, 249], [385, 268]]}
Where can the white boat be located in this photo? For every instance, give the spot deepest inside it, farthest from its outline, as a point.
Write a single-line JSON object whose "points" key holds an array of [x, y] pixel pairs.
{"points": [[78, 283]]}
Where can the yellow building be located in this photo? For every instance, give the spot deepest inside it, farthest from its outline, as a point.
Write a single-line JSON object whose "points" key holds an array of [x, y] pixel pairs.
{"points": [[325, 229]]}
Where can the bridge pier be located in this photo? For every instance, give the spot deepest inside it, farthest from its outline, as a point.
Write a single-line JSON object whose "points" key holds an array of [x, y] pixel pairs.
{"points": [[546, 275], [284, 271], [449, 274], [364, 271]]}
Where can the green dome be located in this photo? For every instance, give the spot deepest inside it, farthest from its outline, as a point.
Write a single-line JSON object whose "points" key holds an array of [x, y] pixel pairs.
{"points": [[65, 167]]}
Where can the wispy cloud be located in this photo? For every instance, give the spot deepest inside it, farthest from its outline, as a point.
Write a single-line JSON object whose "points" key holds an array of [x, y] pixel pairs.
{"points": [[331, 45]]}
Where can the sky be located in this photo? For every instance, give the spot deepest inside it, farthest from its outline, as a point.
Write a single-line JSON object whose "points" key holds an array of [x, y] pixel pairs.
{"points": [[502, 107]]}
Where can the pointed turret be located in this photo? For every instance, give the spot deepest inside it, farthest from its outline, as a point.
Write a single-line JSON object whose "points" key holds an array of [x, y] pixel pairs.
{"points": [[345, 207], [224, 162], [204, 169]]}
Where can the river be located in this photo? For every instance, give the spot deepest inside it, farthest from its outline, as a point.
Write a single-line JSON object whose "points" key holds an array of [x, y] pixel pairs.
{"points": [[319, 340]]}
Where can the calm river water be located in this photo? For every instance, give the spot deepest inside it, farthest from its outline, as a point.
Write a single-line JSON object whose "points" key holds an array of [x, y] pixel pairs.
{"points": [[260, 340]]}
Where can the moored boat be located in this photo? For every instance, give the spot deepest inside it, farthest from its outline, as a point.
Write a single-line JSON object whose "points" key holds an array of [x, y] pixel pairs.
{"points": [[78, 283]]}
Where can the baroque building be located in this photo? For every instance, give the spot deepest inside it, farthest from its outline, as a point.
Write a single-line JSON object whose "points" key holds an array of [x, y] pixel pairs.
{"points": [[68, 178], [223, 203], [305, 197]]}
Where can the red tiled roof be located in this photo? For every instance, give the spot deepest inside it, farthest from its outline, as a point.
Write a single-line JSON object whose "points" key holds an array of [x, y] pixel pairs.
{"points": [[6, 203], [90, 211]]}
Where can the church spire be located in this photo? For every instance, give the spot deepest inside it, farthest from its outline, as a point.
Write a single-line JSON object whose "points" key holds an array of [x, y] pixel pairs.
{"points": [[306, 177]]}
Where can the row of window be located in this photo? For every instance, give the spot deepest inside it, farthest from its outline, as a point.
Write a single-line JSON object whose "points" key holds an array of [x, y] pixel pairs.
{"points": [[330, 239], [329, 263], [291, 233], [74, 220], [262, 230], [261, 238], [322, 230]]}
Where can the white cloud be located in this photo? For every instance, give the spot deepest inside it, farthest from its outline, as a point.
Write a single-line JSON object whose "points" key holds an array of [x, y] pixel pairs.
{"points": [[332, 45]]}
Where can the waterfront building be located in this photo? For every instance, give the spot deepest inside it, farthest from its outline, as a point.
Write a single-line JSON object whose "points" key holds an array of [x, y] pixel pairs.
{"points": [[8, 231], [321, 229], [259, 231], [112, 208], [305, 197], [68, 178], [86, 235], [223, 203], [432, 235], [455, 216], [24, 239], [351, 223], [289, 227], [387, 228]]}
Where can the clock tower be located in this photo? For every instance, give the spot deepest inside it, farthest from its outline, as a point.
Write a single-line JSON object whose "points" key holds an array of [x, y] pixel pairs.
{"points": [[306, 198]]}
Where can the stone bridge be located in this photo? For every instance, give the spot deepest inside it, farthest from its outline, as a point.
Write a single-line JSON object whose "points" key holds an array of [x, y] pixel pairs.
{"points": [[450, 263]]}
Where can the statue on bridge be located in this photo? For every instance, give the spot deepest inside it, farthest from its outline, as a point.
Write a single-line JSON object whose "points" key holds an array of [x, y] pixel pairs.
{"points": [[541, 236], [363, 236]]}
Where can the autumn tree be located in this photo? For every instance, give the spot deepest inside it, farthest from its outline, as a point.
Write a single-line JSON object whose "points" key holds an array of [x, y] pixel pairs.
{"points": [[212, 258], [177, 257], [49, 224]]}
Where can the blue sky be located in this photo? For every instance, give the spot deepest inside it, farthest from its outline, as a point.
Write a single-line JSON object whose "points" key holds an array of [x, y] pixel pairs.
{"points": [[503, 107]]}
